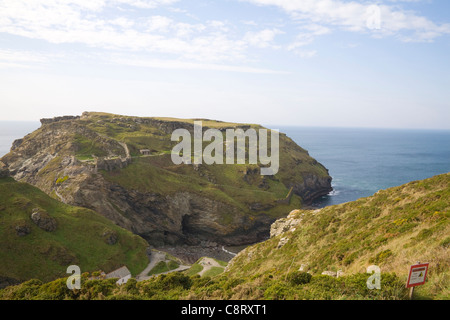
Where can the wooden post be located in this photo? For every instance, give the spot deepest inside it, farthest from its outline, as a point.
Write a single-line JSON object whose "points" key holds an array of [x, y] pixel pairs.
{"points": [[411, 290]]}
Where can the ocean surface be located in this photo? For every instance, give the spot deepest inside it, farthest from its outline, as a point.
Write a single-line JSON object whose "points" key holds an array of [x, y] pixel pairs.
{"points": [[361, 161], [12, 130]]}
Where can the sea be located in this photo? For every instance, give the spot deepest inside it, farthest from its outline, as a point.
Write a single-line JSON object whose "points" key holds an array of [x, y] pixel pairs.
{"points": [[361, 161], [364, 161], [12, 130]]}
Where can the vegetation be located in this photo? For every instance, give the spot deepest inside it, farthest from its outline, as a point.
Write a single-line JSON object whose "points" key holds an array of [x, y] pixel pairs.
{"points": [[240, 186], [393, 229], [29, 252], [180, 286]]}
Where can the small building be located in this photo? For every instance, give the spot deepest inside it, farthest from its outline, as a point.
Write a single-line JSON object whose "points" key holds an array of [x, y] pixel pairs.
{"points": [[145, 152], [122, 273]]}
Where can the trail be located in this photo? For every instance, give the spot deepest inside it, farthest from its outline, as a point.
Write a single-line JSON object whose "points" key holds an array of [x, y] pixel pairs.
{"points": [[155, 258]]}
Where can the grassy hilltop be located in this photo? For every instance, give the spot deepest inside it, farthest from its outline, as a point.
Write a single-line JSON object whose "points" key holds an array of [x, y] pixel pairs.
{"points": [[95, 161]]}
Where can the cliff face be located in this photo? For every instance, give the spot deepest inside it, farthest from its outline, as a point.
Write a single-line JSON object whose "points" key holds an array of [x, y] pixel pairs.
{"points": [[94, 161]]}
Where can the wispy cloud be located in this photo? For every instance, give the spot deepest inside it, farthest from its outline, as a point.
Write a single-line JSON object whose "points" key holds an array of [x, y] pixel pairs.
{"points": [[21, 59], [136, 26], [354, 16], [81, 21], [187, 65]]}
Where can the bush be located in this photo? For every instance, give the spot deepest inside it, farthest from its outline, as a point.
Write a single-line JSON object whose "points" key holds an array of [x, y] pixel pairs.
{"points": [[298, 278], [23, 291], [277, 291], [174, 280]]}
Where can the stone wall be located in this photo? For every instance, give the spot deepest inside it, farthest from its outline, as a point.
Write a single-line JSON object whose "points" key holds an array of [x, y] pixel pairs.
{"points": [[57, 119]]}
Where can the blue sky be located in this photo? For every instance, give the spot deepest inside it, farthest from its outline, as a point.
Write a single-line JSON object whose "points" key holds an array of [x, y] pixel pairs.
{"points": [[285, 62]]}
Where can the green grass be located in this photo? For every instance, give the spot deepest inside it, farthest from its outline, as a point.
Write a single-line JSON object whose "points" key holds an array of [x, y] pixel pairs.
{"points": [[77, 239], [194, 269], [392, 229], [213, 271]]}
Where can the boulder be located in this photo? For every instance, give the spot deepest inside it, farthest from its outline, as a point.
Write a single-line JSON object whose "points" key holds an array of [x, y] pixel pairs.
{"points": [[110, 237], [282, 242], [329, 273], [22, 230], [43, 220]]}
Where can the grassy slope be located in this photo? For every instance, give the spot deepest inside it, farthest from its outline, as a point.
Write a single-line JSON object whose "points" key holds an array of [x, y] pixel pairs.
{"points": [[392, 229], [77, 240]]}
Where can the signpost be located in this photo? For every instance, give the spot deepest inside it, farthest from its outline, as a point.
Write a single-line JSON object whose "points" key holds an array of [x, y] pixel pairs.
{"points": [[417, 276]]}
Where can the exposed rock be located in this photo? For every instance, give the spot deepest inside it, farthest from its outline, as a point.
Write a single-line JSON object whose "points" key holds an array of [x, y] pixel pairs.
{"points": [[303, 267], [43, 220], [312, 187], [340, 273], [286, 224], [110, 237], [329, 273], [282, 242], [176, 217], [57, 119], [22, 230]]}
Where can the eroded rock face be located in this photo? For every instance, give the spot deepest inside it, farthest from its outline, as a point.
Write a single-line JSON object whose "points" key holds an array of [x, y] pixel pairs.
{"points": [[286, 224], [313, 187], [46, 159], [43, 220]]}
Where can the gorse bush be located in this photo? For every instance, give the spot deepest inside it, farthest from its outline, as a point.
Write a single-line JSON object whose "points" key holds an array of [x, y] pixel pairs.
{"points": [[299, 277], [174, 286]]}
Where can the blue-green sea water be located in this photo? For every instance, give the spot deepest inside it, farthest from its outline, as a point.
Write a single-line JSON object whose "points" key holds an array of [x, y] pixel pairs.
{"points": [[363, 161], [12, 130]]}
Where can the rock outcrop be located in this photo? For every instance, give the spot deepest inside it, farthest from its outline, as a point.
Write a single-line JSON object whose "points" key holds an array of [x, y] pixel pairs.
{"points": [[22, 230], [286, 224], [77, 159], [43, 220], [57, 119]]}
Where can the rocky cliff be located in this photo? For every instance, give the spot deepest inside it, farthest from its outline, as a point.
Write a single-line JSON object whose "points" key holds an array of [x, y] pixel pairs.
{"points": [[94, 161]]}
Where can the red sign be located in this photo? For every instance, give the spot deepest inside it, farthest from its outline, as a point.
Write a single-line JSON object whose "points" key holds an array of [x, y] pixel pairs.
{"points": [[417, 275]]}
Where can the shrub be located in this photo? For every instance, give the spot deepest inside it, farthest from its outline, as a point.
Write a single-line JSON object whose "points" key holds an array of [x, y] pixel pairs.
{"points": [[445, 243], [298, 278], [174, 280], [276, 291], [26, 290]]}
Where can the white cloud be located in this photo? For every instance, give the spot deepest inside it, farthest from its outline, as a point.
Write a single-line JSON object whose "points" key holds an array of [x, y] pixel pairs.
{"points": [[82, 21], [21, 59], [188, 65], [353, 16], [307, 35], [263, 38]]}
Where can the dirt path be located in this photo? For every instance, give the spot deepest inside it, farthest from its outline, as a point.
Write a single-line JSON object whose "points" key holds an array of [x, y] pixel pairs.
{"points": [[155, 258], [207, 264]]}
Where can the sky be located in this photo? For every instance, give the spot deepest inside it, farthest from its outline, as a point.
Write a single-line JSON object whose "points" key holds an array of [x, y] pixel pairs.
{"points": [[332, 63]]}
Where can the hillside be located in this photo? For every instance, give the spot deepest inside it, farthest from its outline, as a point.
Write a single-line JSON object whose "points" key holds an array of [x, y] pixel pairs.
{"points": [[40, 237], [392, 229], [95, 161]]}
